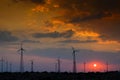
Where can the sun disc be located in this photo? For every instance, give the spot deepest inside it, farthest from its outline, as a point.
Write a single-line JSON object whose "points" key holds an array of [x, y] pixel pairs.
{"points": [[95, 65]]}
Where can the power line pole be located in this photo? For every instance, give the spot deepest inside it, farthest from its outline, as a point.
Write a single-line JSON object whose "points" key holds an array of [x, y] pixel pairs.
{"points": [[32, 66]]}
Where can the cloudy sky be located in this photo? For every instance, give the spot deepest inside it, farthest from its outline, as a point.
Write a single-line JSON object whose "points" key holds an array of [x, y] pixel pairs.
{"points": [[49, 28]]}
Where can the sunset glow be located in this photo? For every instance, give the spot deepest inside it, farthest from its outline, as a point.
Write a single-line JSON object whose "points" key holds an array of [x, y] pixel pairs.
{"points": [[49, 28], [95, 66]]}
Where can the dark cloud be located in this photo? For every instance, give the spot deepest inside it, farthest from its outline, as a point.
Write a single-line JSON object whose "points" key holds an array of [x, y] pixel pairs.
{"points": [[100, 15], [92, 6], [53, 53], [108, 30], [74, 6], [84, 10], [82, 55], [107, 5], [81, 10], [78, 41], [66, 34], [16, 1], [33, 1], [30, 41], [6, 36], [38, 1]]}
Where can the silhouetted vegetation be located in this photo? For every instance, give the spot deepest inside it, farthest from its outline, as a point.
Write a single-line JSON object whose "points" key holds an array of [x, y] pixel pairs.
{"points": [[60, 76]]}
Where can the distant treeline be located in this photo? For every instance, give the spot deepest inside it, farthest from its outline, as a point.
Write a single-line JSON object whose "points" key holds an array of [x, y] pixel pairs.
{"points": [[60, 76]]}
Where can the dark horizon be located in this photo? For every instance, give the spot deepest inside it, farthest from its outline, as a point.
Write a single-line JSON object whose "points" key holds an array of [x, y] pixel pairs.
{"points": [[60, 76]]}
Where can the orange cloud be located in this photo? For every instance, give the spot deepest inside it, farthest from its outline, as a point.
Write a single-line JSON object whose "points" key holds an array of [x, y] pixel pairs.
{"points": [[48, 1], [88, 34], [56, 6], [40, 8]]}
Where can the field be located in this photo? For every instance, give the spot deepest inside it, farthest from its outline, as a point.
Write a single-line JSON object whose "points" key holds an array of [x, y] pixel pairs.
{"points": [[60, 76]]}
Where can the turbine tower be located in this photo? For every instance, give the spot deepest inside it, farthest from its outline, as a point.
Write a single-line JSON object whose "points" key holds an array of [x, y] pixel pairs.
{"points": [[74, 60], [21, 50]]}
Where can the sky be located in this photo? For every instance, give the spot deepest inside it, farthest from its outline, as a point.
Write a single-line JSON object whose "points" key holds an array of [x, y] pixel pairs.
{"points": [[49, 29]]}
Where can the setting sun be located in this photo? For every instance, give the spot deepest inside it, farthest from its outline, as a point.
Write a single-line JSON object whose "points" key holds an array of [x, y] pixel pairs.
{"points": [[95, 65]]}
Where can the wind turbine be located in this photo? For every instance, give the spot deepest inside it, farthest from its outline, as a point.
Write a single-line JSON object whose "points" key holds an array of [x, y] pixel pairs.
{"points": [[74, 60], [21, 50]]}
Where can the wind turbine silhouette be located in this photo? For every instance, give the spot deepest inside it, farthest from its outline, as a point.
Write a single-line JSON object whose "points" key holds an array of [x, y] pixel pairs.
{"points": [[21, 50], [74, 60]]}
